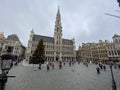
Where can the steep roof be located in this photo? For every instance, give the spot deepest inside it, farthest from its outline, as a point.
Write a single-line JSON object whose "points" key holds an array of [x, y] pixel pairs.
{"points": [[51, 39], [13, 37], [67, 42], [45, 38]]}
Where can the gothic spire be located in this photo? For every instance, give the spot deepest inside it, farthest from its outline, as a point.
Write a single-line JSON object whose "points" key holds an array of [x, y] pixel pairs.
{"points": [[58, 17], [58, 26], [58, 12]]}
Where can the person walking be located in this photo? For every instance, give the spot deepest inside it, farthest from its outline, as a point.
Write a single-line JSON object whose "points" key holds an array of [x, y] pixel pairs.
{"points": [[70, 63], [98, 70], [60, 65], [119, 66], [64, 63], [115, 65], [104, 67], [101, 66], [86, 64], [47, 67], [78, 62], [52, 65], [39, 65]]}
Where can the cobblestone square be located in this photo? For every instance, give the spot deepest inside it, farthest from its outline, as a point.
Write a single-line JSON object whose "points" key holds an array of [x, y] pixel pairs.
{"points": [[77, 77]]}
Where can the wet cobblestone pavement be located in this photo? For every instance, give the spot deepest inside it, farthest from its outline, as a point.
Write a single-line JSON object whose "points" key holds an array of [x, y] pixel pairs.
{"points": [[77, 77]]}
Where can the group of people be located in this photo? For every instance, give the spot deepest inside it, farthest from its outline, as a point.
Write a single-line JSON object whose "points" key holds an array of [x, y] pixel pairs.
{"points": [[101, 67], [117, 66], [50, 64], [85, 63], [71, 63]]}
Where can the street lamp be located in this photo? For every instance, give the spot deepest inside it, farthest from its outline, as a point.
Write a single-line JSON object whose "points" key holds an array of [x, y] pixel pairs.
{"points": [[113, 80], [6, 64], [6, 61]]}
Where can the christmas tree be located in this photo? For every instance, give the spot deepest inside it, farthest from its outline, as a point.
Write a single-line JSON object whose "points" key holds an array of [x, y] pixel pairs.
{"points": [[39, 54]]}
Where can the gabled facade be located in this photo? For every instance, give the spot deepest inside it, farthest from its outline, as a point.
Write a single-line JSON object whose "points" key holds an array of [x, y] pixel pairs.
{"points": [[56, 48], [15, 44]]}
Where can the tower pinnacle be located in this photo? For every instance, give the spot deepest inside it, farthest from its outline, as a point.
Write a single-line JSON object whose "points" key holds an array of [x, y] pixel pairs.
{"points": [[58, 21], [58, 12]]}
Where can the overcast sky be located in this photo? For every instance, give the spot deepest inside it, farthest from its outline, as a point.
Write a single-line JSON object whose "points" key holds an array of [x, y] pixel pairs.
{"points": [[82, 19]]}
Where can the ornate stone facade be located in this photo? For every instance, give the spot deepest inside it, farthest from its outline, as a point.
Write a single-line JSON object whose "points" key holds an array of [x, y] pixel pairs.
{"points": [[56, 48], [17, 48], [114, 48], [101, 51], [2, 41]]}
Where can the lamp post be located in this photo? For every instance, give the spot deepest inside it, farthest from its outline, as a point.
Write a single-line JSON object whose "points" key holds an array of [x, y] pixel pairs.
{"points": [[6, 64], [113, 80]]}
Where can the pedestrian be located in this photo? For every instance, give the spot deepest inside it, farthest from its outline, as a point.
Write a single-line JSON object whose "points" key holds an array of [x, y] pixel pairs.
{"points": [[104, 67], [78, 62], [52, 65], [101, 66], [98, 70], [64, 63], [115, 66], [69, 63], [72, 63], [119, 66], [47, 67], [60, 65], [86, 64], [15, 63], [39, 65]]}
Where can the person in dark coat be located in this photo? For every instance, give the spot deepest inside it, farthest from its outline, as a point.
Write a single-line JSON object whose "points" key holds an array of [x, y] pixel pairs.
{"points": [[64, 63], [98, 70], [39, 65], [47, 67], [52, 65], [119, 66], [70, 63]]}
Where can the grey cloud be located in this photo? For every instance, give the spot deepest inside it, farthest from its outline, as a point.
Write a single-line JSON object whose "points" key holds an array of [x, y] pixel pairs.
{"points": [[82, 19]]}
